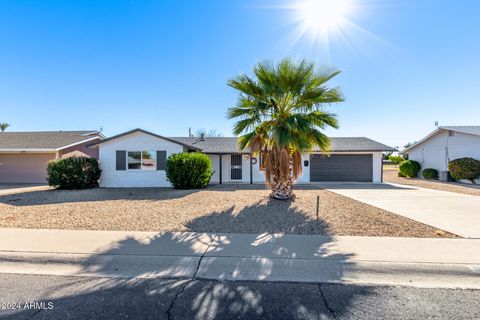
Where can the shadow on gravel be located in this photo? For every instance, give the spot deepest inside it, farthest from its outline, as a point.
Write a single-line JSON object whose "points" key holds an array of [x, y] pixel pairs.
{"points": [[266, 214]]}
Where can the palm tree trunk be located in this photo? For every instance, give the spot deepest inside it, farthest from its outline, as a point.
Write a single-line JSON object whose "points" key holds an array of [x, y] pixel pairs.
{"points": [[282, 189]]}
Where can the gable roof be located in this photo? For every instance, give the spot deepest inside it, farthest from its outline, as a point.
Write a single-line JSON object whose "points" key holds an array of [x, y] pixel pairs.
{"points": [[338, 144], [474, 130], [149, 133], [44, 140]]}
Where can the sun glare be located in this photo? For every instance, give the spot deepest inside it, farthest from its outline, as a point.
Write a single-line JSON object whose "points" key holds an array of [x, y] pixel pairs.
{"points": [[323, 15]]}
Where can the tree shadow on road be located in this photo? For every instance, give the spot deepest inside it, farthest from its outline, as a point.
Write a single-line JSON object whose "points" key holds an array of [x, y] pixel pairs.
{"points": [[208, 276]]}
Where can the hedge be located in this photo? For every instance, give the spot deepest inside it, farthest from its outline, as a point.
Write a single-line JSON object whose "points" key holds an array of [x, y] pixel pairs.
{"points": [[430, 174], [73, 173], [464, 168], [409, 168], [189, 170]]}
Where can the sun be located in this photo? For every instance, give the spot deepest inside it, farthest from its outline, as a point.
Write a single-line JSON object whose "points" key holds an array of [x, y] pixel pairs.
{"points": [[322, 16]]}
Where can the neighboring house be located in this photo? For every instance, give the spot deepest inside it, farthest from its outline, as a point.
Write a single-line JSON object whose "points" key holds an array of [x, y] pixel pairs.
{"points": [[24, 155], [444, 144], [137, 159]]}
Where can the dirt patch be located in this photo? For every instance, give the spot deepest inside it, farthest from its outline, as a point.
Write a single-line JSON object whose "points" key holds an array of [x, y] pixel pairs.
{"points": [[238, 209], [390, 174]]}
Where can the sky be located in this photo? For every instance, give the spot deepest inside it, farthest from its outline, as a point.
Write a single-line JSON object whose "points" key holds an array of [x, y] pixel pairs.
{"points": [[163, 65]]}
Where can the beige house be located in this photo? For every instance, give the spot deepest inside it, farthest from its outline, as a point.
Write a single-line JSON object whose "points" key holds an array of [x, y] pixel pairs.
{"points": [[24, 155]]}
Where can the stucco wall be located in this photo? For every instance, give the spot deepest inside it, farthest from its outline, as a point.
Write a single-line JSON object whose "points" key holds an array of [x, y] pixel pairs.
{"points": [[137, 141], [258, 176], [437, 151]]}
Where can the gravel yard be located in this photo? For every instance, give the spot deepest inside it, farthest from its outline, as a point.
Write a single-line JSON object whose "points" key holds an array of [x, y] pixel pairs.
{"points": [[390, 174], [238, 209]]}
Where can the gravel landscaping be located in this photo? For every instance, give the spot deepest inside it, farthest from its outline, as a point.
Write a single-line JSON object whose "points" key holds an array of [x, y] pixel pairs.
{"points": [[390, 174], [239, 209]]}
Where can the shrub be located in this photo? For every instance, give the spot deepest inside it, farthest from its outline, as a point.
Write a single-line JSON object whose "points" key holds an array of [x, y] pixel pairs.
{"points": [[409, 168], [189, 170], [430, 174], [395, 159], [464, 168], [73, 173], [400, 174]]}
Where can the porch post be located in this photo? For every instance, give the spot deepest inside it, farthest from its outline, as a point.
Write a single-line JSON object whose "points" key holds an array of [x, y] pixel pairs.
{"points": [[251, 168], [220, 173]]}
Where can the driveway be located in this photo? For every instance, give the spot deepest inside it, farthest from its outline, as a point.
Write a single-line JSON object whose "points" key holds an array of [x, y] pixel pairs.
{"points": [[453, 212], [12, 188]]}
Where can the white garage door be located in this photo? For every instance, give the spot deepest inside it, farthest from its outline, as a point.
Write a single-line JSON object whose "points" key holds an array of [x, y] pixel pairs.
{"points": [[24, 168]]}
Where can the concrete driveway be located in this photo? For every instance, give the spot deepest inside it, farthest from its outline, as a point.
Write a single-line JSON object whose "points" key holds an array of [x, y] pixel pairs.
{"points": [[11, 188], [453, 212]]}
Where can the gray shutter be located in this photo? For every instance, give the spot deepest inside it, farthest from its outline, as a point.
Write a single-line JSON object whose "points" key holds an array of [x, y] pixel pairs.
{"points": [[161, 159], [121, 160]]}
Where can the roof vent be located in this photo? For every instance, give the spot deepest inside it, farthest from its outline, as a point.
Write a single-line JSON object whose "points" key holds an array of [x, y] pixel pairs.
{"points": [[202, 136]]}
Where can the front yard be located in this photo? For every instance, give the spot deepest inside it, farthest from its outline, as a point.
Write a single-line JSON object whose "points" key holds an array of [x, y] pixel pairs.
{"points": [[390, 175], [231, 209]]}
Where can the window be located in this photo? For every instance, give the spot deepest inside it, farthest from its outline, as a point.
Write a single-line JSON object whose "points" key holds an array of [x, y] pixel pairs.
{"points": [[142, 160]]}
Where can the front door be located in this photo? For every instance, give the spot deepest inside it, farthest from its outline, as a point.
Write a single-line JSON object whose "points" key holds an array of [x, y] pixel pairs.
{"points": [[236, 167]]}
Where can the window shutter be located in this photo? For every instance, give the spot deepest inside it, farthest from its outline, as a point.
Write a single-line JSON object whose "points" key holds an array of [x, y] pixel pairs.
{"points": [[121, 160], [161, 159]]}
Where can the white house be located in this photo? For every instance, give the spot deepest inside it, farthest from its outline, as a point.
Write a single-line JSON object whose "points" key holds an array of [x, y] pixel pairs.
{"points": [[444, 144], [137, 159]]}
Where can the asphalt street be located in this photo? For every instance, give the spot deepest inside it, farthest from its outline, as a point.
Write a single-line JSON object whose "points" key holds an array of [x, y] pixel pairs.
{"points": [[60, 297]]}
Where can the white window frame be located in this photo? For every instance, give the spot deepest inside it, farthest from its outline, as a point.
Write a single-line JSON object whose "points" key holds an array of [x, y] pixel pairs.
{"points": [[141, 161]]}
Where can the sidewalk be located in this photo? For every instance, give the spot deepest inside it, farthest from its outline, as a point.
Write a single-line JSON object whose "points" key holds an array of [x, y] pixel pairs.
{"points": [[450, 263]]}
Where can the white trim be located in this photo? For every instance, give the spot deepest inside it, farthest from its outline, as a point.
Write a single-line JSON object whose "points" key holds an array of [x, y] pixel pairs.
{"points": [[77, 143]]}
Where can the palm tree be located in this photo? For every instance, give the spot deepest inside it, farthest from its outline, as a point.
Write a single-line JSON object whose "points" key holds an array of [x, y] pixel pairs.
{"points": [[280, 115], [4, 126]]}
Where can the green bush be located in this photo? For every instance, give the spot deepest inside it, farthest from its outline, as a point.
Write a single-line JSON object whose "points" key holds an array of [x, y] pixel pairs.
{"points": [[400, 174], [464, 168], [73, 173], [409, 168], [189, 170], [430, 174], [395, 159]]}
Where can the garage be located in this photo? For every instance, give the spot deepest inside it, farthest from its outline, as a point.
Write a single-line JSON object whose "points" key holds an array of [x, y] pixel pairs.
{"points": [[341, 167], [24, 168]]}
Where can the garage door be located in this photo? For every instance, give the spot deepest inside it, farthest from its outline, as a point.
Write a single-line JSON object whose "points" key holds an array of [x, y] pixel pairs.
{"points": [[356, 168], [24, 168]]}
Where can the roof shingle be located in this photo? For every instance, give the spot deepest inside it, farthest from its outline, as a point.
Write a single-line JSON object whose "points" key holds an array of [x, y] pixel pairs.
{"points": [[43, 139], [229, 144]]}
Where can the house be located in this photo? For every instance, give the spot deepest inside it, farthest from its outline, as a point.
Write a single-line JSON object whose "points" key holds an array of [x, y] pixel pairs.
{"points": [[24, 155], [444, 144], [137, 158]]}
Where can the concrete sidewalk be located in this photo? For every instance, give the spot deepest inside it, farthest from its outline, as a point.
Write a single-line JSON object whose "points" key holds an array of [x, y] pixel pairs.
{"points": [[367, 260], [454, 212]]}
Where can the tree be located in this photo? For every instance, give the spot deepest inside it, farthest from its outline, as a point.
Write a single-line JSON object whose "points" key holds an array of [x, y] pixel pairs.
{"points": [[280, 115], [207, 133], [4, 126]]}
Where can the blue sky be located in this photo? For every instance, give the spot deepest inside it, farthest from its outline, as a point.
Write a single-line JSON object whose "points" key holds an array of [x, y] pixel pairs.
{"points": [[163, 65]]}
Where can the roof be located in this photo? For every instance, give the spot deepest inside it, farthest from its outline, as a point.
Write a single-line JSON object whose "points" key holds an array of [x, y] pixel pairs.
{"points": [[474, 130], [229, 144], [44, 140], [149, 133], [212, 144]]}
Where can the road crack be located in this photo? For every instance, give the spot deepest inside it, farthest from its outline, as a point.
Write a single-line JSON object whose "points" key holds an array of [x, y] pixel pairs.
{"points": [[325, 302], [194, 276]]}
